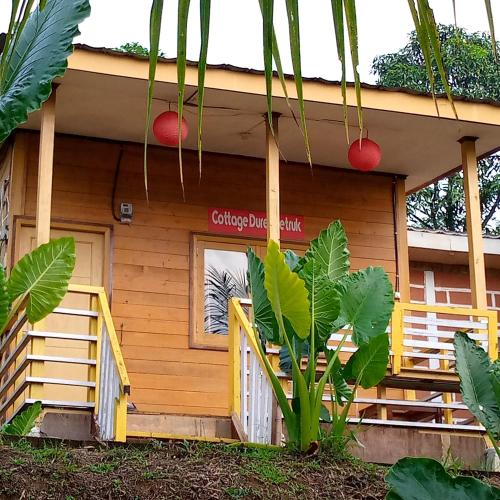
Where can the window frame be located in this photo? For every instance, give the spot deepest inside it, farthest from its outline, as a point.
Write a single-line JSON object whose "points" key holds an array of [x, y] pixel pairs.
{"points": [[198, 338]]}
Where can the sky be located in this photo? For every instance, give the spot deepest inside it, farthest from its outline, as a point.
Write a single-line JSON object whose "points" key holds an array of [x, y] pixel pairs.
{"points": [[235, 31]]}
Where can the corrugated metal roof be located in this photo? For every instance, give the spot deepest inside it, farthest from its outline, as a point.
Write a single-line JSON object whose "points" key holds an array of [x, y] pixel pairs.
{"points": [[449, 233]]}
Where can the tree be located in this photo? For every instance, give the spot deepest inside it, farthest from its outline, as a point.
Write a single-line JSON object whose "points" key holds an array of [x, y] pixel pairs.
{"points": [[472, 72], [137, 49]]}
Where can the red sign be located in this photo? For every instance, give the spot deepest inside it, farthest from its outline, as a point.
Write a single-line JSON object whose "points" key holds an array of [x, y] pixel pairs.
{"points": [[248, 223]]}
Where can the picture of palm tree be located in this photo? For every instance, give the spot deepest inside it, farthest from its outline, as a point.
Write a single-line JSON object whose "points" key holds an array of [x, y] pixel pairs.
{"points": [[224, 279]]}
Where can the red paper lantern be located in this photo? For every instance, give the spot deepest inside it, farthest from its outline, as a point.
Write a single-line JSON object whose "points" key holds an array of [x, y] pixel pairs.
{"points": [[166, 128], [364, 157]]}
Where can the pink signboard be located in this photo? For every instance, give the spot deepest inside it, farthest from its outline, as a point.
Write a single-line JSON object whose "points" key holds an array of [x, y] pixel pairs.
{"points": [[249, 223]]}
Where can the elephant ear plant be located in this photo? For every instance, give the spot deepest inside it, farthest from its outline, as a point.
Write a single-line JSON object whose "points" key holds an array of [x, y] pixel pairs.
{"points": [[298, 303], [37, 283], [418, 478]]}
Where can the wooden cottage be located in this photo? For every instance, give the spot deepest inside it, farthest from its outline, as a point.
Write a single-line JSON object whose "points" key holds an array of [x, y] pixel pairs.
{"points": [[133, 350]]}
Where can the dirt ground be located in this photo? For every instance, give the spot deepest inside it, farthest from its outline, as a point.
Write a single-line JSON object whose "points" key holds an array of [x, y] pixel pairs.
{"points": [[153, 470]]}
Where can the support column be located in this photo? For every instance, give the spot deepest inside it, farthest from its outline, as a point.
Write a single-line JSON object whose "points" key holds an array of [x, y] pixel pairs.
{"points": [[403, 258], [45, 168], [272, 181], [474, 223]]}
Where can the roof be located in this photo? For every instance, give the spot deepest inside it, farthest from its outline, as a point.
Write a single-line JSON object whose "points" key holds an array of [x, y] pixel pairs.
{"points": [[448, 247], [103, 95], [252, 71]]}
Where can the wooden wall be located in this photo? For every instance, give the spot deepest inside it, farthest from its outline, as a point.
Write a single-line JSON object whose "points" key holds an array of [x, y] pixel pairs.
{"points": [[150, 258]]}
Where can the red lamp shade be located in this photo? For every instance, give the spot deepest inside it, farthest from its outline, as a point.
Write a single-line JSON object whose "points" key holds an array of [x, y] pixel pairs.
{"points": [[364, 157], [166, 128]]}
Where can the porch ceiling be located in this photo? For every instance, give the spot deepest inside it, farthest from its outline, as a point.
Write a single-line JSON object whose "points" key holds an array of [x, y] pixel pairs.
{"points": [[103, 95]]}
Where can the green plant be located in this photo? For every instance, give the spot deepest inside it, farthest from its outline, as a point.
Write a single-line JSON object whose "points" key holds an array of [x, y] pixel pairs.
{"points": [[300, 302], [103, 467], [37, 45], [479, 384], [427, 479], [22, 423], [39, 281]]}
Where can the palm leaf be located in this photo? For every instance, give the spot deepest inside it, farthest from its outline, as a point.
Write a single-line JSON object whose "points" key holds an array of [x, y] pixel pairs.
{"points": [[433, 34], [154, 42], [491, 23], [202, 68], [352, 30], [24, 422], [36, 53], [182, 20], [267, 41], [42, 276], [338, 23], [292, 9]]}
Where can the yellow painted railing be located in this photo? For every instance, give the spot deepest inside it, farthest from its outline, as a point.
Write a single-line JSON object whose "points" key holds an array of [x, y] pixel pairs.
{"points": [[80, 369], [422, 335], [422, 354]]}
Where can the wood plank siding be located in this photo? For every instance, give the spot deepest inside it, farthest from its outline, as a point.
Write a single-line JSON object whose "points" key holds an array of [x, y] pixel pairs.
{"points": [[150, 258]]}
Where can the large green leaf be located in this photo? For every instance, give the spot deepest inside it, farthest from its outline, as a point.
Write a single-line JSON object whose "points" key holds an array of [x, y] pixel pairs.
{"points": [[154, 48], [267, 11], [324, 299], [43, 276], [427, 479], [4, 300], [330, 251], [287, 292], [182, 21], [292, 9], [36, 56], [368, 365], [476, 382], [366, 303], [205, 6], [263, 314], [24, 422]]}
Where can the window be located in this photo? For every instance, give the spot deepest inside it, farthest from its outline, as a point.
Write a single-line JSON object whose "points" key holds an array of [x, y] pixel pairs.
{"points": [[218, 272]]}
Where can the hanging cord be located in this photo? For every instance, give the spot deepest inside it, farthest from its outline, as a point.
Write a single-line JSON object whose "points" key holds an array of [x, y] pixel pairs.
{"points": [[115, 183]]}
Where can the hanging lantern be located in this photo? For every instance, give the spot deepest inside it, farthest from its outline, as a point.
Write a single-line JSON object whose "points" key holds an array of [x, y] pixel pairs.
{"points": [[365, 156], [166, 128]]}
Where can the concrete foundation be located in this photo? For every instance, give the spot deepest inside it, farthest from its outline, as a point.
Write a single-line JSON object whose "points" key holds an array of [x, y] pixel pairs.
{"points": [[386, 445]]}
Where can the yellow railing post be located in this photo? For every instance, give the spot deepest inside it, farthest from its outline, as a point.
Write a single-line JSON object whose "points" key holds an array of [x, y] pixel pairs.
{"points": [[492, 335], [397, 337], [234, 361]]}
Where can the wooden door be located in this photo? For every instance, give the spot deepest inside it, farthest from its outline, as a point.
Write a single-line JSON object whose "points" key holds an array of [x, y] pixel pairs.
{"points": [[89, 270]]}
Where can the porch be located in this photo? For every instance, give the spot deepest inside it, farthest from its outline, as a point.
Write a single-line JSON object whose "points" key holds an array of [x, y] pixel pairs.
{"points": [[153, 348]]}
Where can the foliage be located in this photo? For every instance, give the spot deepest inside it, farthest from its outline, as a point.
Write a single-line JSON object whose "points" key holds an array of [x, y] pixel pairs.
{"points": [[472, 71], [23, 423], [220, 286], [299, 309], [36, 49], [427, 479], [479, 383], [137, 49]]}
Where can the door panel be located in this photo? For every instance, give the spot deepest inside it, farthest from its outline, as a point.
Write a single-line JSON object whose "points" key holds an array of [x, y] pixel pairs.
{"points": [[89, 270]]}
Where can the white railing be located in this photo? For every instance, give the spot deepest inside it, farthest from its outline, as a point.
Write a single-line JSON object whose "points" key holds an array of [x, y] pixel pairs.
{"points": [[252, 398], [70, 370]]}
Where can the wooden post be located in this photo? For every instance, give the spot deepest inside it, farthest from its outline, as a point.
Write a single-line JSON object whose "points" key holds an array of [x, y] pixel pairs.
{"points": [[403, 258], [474, 223], [45, 168], [272, 181]]}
